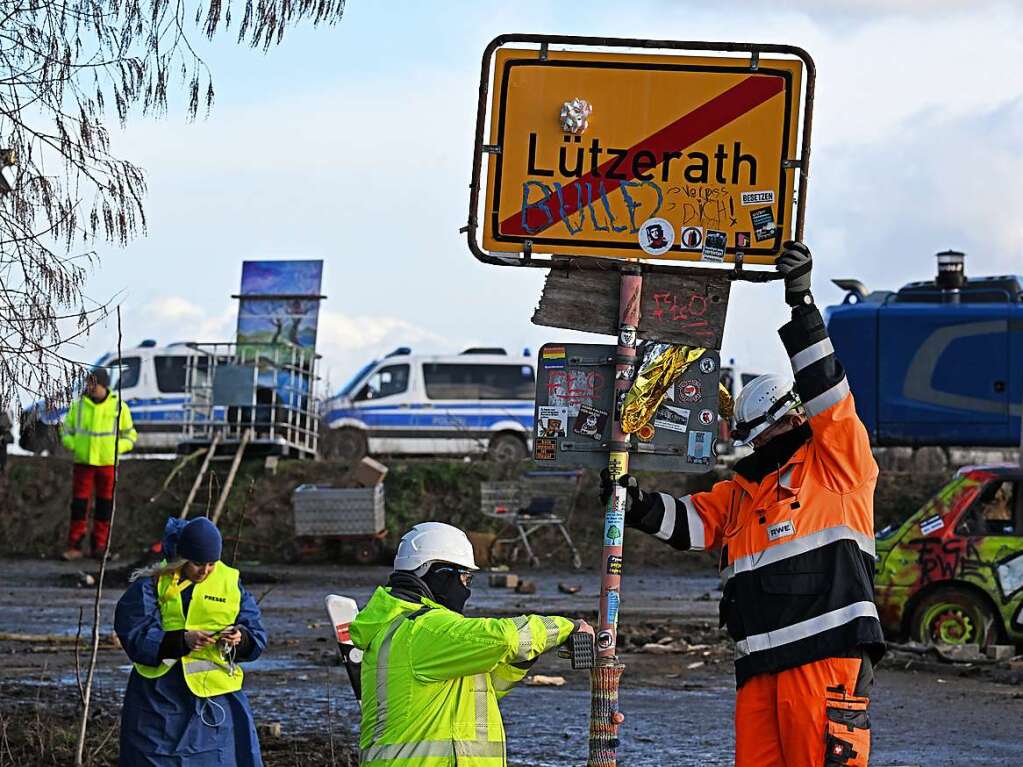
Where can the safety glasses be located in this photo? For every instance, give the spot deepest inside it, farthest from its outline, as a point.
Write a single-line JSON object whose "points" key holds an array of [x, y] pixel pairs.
{"points": [[465, 575]]}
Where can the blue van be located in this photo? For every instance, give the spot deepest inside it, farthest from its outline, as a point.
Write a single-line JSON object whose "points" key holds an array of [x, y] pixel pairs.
{"points": [[931, 365]]}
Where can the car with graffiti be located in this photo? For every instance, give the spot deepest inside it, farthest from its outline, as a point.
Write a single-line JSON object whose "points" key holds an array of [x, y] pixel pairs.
{"points": [[953, 572]]}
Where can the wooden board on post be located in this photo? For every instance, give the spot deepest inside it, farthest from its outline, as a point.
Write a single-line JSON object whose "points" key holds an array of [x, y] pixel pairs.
{"points": [[676, 308]]}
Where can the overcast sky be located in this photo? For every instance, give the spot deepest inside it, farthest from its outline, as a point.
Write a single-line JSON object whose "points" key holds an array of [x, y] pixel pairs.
{"points": [[353, 144]]}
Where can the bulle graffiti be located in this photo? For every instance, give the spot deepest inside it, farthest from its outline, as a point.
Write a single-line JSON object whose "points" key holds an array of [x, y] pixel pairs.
{"points": [[586, 207]]}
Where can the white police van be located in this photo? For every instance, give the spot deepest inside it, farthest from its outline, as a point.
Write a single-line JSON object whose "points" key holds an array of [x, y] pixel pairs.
{"points": [[152, 381], [479, 401]]}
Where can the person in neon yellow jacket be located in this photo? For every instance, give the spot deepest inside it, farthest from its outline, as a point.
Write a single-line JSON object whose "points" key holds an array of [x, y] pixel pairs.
{"points": [[97, 428], [431, 678]]}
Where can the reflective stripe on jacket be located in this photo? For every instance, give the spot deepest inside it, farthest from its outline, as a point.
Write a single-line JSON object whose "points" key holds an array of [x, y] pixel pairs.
{"points": [[214, 606], [431, 679], [88, 430], [798, 545]]}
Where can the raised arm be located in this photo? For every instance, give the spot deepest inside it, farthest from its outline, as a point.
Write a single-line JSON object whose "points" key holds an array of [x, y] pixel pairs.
{"points": [[839, 437]]}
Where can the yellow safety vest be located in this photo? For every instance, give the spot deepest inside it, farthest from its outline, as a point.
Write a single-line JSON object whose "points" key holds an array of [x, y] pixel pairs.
{"points": [[88, 431], [214, 606]]}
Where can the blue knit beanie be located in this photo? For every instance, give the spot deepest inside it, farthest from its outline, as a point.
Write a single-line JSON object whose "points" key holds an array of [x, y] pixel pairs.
{"points": [[200, 541]]}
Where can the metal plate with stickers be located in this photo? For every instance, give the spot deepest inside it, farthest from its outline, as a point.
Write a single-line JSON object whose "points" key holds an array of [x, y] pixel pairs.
{"points": [[575, 404]]}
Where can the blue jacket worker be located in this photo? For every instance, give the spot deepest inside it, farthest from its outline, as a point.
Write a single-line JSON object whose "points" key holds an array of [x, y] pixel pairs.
{"points": [[186, 623]]}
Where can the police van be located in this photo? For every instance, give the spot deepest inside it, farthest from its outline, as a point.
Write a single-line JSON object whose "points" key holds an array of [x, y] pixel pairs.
{"points": [[476, 402], [152, 382]]}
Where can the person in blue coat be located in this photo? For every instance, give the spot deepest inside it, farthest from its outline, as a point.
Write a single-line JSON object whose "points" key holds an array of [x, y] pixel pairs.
{"points": [[186, 623]]}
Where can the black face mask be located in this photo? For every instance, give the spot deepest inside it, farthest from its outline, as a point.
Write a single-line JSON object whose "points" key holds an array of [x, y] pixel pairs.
{"points": [[775, 454], [446, 584]]}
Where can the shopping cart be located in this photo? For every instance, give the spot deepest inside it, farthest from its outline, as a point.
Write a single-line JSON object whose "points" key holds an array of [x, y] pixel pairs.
{"points": [[537, 500]]}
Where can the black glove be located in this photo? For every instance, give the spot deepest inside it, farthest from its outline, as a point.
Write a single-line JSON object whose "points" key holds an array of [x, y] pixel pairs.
{"points": [[794, 264], [637, 504]]}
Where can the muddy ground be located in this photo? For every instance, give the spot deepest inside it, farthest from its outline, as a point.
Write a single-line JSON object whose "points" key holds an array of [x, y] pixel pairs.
{"points": [[679, 705]]}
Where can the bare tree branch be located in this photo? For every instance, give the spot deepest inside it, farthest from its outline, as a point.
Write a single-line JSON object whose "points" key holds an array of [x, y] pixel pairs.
{"points": [[66, 67]]}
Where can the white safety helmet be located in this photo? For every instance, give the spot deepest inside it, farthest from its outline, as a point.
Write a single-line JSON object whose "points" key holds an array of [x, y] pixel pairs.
{"points": [[434, 542], [762, 403]]}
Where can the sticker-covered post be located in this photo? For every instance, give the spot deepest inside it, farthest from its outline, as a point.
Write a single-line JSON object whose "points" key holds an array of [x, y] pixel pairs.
{"points": [[608, 670]]}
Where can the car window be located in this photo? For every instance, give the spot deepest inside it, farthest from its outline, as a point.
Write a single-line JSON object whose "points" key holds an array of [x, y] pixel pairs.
{"points": [[447, 381], [127, 370], [170, 373], [386, 382], [994, 512], [354, 380]]}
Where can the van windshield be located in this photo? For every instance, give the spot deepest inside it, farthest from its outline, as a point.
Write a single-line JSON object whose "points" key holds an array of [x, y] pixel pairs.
{"points": [[124, 373], [478, 382], [349, 387], [170, 373]]}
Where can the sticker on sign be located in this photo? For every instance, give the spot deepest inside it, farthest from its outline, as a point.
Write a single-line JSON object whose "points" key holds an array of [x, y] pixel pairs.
{"points": [[675, 145], [758, 198]]}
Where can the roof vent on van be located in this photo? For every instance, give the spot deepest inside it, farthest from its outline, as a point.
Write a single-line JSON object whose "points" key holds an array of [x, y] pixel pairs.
{"points": [[401, 351], [149, 343], [485, 350], [853, 288]]}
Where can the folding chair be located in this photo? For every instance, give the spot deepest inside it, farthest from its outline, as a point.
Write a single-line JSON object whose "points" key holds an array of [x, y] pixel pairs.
{"points": [[539, 499]]}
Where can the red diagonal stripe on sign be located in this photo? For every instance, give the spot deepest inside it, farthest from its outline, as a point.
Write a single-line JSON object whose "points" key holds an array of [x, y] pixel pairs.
{"points": [[683, 132]]}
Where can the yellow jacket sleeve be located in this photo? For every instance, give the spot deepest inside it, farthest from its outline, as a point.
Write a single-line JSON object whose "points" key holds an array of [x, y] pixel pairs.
{"points": [[67, 427], [128, 435], [480, 645]]}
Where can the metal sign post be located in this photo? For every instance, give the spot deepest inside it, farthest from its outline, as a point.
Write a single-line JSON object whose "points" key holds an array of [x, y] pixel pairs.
{"points": [[600, 158], [608, 670]]}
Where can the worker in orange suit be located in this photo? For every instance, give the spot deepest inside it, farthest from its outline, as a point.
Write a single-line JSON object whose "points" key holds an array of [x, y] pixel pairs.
{"points": [[795, 528]]}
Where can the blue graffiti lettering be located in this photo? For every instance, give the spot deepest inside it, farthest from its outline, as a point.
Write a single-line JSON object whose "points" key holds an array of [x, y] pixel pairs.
{"points": [[565, 215], [541, 204], [631, 203]]}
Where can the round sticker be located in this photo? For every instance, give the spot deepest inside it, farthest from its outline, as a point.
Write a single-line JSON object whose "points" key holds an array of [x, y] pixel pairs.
{"points": [[656, 236], [707, 365], [690, 391], [604, 640], [706, 417], [691, 238], [627, 337], [645, 432]]}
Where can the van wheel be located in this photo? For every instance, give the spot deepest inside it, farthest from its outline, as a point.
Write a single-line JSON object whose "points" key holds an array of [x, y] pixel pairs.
{"points": [[953, 616], [347, 444], [367, 552], [506, 448]]}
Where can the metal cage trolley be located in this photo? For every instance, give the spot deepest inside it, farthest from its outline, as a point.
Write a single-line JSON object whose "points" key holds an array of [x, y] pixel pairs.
{"points": [[538, 500]]}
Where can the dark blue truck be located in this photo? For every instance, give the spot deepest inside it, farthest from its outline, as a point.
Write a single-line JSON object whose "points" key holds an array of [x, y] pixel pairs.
{"points": [[935, 363]]}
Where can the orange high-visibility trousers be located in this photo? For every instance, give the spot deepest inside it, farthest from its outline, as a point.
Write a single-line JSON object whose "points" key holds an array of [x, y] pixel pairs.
{"points": [[808, 716]]}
